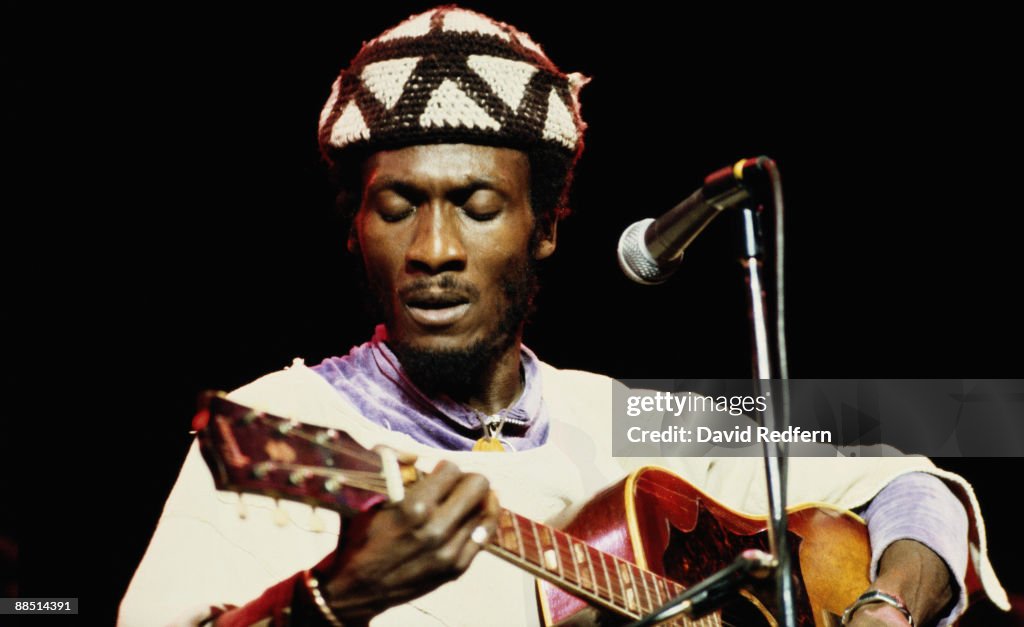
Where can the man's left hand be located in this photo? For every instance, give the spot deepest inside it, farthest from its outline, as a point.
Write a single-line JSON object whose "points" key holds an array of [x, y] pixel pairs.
{"points": [[917, 575]]}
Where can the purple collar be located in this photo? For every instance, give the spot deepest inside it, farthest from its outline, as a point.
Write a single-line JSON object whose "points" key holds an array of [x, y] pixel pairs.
{"points": [[372, 379]]}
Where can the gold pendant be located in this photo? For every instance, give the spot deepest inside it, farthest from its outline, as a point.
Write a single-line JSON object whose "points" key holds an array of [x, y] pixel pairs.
{"points": [[488, 445]]}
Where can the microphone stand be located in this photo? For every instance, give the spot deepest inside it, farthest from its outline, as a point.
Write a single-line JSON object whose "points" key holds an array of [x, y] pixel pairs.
{"points": [[713, 591], [775, 459]]}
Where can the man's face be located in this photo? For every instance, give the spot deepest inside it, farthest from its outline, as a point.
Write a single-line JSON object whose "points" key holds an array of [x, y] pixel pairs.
{"points": [[445, 235]]}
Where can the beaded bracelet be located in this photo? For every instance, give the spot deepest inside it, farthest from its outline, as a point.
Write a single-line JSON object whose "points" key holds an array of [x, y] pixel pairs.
{"points": [[313, 586]]}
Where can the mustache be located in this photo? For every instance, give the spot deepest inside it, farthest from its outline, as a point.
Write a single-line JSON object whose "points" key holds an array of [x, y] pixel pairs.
{"points": [[443, 290]]}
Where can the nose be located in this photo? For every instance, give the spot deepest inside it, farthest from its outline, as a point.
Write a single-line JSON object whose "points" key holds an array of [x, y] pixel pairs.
{"points": [[437, 242]]}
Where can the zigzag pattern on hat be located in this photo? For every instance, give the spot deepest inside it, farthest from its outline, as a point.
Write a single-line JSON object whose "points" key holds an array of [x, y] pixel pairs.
{"points": [[451, 75]]}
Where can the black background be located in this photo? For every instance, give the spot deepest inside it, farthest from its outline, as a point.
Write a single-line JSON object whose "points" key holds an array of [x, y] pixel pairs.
{"points": [[173, 224]]}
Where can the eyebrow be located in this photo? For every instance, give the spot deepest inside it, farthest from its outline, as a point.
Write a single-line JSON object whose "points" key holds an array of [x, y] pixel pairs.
{"points": [[409, 189]]}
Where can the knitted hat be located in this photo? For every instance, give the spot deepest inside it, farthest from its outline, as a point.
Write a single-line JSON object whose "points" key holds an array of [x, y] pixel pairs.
{"points": [[453, 76]]}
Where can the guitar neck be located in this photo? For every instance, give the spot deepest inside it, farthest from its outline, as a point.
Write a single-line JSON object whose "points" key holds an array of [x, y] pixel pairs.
{"points": [[601, 578], [251, 451]]}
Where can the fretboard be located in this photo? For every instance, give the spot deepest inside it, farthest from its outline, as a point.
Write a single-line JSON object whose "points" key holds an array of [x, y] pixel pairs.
{"points": [[586, 572]]}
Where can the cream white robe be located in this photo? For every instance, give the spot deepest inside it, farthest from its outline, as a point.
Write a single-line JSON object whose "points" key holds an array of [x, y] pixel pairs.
{"points": [[203, 553]]}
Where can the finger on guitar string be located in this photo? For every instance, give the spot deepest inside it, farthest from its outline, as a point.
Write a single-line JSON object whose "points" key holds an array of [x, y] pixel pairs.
{"points": [[403, 457], [423, 498], [481, 530], [455, 554], [468, 496], [391, 554]]}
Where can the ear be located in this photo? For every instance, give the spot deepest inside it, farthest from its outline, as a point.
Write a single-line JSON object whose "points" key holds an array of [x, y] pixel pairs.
{"points": [[547, 238]]}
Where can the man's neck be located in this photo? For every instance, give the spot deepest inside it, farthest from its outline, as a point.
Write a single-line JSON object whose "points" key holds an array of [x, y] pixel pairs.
{"points": [[485, 383], [499, 386]]}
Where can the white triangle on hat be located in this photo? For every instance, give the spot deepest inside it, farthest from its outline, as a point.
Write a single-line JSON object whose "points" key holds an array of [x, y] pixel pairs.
{"points": [[559, 125], [350, 126], [506, 77], [450, 106], [331, 101], [463, 21], [413, 27], [387, 79]]}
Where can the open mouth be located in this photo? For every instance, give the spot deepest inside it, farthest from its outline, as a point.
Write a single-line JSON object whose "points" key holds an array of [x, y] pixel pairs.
{"points": [[437, 310]]}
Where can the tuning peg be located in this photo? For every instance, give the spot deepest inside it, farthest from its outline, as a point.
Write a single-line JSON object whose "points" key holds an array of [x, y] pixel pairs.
{"points": [[316, 524], [280, 516], [326, 436], [241, 508]]}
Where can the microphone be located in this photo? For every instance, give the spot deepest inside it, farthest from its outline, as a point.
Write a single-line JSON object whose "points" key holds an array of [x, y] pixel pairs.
{"points": [[650, 250]]}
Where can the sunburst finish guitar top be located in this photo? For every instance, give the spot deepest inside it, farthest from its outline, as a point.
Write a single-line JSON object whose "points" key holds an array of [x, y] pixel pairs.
{"points": [[667, 527]]}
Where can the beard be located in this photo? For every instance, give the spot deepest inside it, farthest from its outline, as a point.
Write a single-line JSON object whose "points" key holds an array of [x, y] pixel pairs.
{"points": [[457, 372]]}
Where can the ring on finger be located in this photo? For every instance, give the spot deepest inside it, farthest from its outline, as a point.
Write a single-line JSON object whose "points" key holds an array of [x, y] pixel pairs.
{"points": [[416, 511], [479, 535]]}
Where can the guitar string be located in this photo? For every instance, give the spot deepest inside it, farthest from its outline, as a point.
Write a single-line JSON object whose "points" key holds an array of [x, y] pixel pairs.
{"points": [[364, 479], [343, 449], [373, 481], [618, 598], [608, 593], [638, 586]]}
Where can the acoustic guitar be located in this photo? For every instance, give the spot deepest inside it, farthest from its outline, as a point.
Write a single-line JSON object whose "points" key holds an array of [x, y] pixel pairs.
{"points": [[632, 547]]}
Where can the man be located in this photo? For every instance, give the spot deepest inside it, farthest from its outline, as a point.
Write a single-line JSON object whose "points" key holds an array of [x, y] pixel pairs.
{"points": [[453, 140]]}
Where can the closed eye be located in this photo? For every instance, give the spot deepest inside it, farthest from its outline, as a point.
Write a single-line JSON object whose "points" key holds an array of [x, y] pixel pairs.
{"points": [[395, 216], [396, 203], [481, 216], [480, 204]]}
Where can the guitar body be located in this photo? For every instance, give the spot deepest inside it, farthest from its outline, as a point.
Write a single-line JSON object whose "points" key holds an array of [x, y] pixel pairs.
{"points": [[661, 523]]}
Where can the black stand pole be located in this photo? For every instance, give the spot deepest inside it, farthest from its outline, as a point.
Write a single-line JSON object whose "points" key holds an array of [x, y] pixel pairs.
{"points": [[774, 452]]}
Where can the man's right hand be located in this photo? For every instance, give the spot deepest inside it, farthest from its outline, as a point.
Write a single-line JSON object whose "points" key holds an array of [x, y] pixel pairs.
{"points": [[390, 555]]}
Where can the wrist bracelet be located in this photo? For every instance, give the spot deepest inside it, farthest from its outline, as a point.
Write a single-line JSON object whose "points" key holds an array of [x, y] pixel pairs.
{"points": [[313, 587], [877, 596]]}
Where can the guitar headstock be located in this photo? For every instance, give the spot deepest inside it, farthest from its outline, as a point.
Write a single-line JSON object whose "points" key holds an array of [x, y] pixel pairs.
{"points": [[256, 452]]}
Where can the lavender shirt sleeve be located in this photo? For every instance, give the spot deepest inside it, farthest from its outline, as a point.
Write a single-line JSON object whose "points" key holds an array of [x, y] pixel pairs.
{"points": [[936, 519]]}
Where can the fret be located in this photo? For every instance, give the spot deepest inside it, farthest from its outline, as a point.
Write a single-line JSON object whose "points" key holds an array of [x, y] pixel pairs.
{"points": [[646, 591], [652, 578], [643, 578], [674, 588], [508, 534], [663, 594], [628, 589], [525, 544], [541, 561], [519, 535], [601, 573], [619, 600], [581, 555], [572, 556], [549, 549]]}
